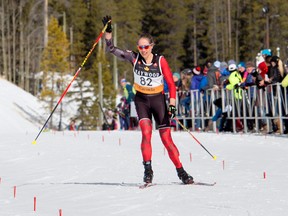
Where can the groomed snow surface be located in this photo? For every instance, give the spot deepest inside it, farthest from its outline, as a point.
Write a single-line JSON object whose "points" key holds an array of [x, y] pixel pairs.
{"points": [[99, 172]]}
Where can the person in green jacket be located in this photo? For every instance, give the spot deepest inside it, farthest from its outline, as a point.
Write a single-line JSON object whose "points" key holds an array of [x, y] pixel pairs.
{"points": [[128, 90], [129, 93], [284, 82], [235, 82]]}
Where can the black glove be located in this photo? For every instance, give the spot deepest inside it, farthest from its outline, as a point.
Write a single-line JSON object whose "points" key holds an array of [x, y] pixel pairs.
{"points": [[236, 86], [106, 20], [172, 111]]}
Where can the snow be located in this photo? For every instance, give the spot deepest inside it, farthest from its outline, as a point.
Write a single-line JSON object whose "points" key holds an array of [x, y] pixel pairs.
{"points": [[18, 109], [99, 172]]}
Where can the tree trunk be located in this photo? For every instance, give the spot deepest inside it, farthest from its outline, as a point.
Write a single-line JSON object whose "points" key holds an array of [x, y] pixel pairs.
{"points": [[229, 30], [195, 41], [237, 32], [45, 22], [21, 63], [5, 72], [27, 66], [215, 29], [14, 44]]}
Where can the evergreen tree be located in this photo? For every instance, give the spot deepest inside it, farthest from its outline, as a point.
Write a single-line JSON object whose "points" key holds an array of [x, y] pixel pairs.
{"points": [[77, 15], [127, 16], [54, 59], [109, 93], [166, 21]]}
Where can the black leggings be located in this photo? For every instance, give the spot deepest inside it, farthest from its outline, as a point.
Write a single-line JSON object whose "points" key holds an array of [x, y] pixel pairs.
{"points": [[148, 105]]}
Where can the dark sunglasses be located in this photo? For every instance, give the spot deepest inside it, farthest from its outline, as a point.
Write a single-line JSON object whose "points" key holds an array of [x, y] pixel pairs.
{"points": [[144, 47]]}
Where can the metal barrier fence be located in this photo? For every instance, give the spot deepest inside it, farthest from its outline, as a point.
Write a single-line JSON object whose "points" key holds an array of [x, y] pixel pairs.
{"points": [[257, 109]]}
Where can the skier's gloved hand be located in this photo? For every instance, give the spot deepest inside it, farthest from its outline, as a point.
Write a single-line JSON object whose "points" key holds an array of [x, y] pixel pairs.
{"points": [[172, 111], [106, 20]]}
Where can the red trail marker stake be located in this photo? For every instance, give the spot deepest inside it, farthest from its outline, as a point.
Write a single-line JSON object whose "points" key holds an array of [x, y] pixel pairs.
{"points": [[34, 207], [60, 212], [14, 191]]}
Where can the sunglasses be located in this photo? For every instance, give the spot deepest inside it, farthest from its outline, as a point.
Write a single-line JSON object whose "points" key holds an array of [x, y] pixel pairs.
{"points": [[144, 47]]}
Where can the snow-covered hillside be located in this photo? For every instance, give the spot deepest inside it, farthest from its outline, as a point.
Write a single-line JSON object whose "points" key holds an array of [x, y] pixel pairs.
{"points": [[15, 103], [19, 110]]}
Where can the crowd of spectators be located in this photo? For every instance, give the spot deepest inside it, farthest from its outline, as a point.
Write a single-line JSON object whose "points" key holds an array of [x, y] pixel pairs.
{"points": [[267, 71], [215, 76]]}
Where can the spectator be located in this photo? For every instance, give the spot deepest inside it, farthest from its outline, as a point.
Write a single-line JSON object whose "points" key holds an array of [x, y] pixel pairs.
{"points": [[263, 56], [284, 82], [276, 75], [207, 65], [72, 125], [242, 69], [259, 81], [235, 81], [178, 85], [184, 96], [195, 85], [110, 122], [123, 112], [213, 77], [254, 78], [129, 93], [249, 81], [263, 70], [202, 89], [177, 81], [224, 72], [235, 84], [128, 90], [244, 74], [225, 124]]}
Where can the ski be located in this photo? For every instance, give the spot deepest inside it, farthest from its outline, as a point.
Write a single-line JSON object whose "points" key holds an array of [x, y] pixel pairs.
{"points": [[196, 183], [204, 183], [146, 185]]}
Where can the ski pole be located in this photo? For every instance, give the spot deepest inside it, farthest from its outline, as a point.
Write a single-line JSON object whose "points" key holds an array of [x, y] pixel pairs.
{"points": [[74, 77], [213, 156]]}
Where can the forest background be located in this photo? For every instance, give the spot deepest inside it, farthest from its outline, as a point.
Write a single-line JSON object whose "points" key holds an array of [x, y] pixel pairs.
{"points": [[41, 41]]}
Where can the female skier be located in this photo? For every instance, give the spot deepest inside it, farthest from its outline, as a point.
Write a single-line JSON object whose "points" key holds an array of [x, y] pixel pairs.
{"points": [[150, 70]]}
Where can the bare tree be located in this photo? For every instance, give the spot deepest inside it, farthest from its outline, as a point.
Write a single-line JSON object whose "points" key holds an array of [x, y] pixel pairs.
{"points": [[3, 35]]}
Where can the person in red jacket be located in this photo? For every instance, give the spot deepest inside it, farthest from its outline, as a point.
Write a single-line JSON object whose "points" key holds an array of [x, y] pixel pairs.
{"points": [[150, 70]]}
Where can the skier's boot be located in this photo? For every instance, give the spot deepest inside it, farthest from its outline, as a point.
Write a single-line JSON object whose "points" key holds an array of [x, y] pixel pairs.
{"points": [[148, 173], [184, 176]]}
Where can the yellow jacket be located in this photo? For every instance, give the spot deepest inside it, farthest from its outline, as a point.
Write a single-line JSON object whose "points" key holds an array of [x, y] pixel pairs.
{"points": [[284, 82], [235, 78]]}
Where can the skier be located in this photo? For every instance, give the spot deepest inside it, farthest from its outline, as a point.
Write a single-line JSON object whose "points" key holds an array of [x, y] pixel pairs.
{"points": [[150, 70]]}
